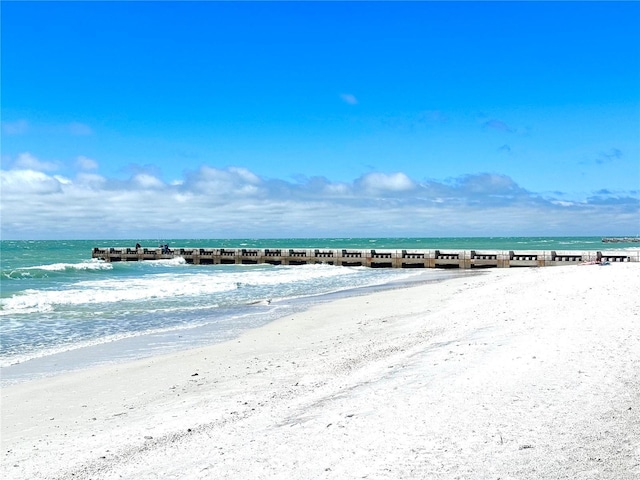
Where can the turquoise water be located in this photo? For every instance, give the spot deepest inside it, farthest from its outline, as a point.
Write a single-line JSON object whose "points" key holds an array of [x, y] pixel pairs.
{"points": [[478, 243], [60, 308]]}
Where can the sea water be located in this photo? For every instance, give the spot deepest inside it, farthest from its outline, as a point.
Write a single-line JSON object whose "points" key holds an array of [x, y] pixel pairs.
{"points": [[60, 309]]}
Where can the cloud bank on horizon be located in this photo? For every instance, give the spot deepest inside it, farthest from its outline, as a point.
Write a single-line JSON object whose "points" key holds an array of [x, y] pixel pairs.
{"points": [[234, 202], [218, 120]]}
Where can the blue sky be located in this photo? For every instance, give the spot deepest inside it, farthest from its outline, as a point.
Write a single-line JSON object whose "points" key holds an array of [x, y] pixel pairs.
{"points": [[264, 119]]}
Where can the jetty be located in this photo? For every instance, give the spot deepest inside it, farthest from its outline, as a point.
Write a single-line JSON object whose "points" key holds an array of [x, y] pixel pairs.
{"points": [[621, 240], [423, 258]]}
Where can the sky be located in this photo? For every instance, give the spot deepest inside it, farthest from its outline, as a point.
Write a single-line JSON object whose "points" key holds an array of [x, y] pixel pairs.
{"points": [[319, 119]]}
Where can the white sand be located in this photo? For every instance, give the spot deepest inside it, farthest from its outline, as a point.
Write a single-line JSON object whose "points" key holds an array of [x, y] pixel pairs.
{"points": [[514, 374]]}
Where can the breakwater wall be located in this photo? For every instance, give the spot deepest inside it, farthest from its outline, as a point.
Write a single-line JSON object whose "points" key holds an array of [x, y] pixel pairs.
{"points": [[465, 259]]}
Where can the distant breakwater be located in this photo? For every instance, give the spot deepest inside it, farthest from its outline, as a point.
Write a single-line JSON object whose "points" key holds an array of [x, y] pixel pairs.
{"points": [[374, 258], [621, 240]]}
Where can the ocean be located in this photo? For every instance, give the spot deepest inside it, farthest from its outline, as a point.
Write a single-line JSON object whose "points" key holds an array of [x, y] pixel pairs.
{"points": [[61, 310]]}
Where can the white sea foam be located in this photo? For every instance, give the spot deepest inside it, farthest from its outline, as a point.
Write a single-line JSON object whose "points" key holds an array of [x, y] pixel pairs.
{"points": [[113, 291], [167, 262], [166, 286], [93, 264]]}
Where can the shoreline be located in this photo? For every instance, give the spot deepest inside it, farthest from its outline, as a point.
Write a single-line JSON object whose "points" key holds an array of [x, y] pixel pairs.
{"points": [[136, 346], [512, 374]]}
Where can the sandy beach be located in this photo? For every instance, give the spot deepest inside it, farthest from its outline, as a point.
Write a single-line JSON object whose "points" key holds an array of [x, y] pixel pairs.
{"points": [[527, 373]]}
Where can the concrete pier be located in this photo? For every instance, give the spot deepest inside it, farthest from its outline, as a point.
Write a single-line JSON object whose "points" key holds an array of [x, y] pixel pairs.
{"points": [[465, 259]]}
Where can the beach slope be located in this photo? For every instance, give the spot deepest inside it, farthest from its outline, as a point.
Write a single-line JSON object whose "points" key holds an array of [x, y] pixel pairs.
{"points": [[512, 374]]}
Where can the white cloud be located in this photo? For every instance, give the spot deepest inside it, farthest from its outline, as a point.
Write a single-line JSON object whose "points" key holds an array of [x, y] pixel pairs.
{"points": [[27, 161], [487, 183], [15, 128], [85, 163], [216, 182], [336, 189], [349, 98], [245, 175], [234, 202], [26, 183], [77, 128], [147, 181], [394, 182], [62, 180], [90, 180], [563, 203]]}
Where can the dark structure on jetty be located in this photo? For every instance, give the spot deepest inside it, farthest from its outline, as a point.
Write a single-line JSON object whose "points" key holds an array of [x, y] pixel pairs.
{"points": [[366, 257], [621, 240]]}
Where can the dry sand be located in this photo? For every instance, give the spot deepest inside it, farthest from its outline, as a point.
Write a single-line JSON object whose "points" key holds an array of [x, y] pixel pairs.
{"points": [[513, 374]]}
